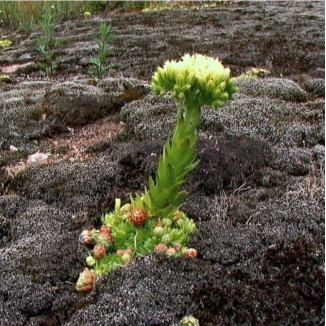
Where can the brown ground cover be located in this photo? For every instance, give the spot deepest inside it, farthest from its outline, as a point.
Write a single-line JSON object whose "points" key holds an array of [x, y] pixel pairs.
{"points": [[70, 145]]}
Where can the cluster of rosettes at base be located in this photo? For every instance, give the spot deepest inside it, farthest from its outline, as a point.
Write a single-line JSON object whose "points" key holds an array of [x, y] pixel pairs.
{"points": [[195, 78], [101, 239], [129, 232], [176, 250]]}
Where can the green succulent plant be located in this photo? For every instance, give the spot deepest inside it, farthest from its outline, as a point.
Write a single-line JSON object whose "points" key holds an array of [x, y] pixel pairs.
{"points": [[194, 81], [154, 221]]}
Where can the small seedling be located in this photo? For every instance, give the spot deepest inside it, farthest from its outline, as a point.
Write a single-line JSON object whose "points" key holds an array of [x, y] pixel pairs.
{"points": [[48, 44], [98, 65], [154, 222]]}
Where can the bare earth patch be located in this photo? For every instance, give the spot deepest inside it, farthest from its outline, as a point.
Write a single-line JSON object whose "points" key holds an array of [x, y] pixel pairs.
{"points": [[74, 146], [79, 140]]}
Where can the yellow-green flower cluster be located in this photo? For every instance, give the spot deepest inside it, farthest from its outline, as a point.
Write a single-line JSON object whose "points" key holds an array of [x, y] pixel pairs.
{"points": [[198, 80], [4, 43], [87, 14]]}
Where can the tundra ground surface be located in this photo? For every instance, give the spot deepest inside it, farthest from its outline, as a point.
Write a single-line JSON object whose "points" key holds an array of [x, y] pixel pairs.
{"points": [[70, 145]]}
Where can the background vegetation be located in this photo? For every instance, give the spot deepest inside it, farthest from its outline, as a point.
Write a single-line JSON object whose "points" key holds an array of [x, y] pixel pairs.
{"points": [[24, 14]]}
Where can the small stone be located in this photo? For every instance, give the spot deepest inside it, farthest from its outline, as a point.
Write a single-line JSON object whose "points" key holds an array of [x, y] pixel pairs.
{"points": [[37, 158], [25, 56], [13, 148], [319, 148]]}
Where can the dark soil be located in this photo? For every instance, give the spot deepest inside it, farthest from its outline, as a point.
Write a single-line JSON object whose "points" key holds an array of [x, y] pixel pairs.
{"points": [[70, 145]]}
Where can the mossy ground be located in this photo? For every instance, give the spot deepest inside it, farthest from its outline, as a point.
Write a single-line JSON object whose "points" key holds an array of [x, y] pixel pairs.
{"points": [[257, 197]]}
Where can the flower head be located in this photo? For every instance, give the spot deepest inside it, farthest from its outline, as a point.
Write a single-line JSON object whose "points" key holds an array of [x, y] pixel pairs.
{"points": [[195, 78]]}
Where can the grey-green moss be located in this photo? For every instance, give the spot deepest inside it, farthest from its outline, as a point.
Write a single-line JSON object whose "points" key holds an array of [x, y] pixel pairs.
{"points": [[277, 88]]}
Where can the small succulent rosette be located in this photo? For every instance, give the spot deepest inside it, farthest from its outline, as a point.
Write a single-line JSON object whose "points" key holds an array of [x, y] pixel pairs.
{"points": [[86, 280], [189, 321]]}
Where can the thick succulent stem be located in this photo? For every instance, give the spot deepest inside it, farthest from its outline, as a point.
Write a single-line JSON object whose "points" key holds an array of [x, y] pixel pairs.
{"points": [[177, 160]]}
